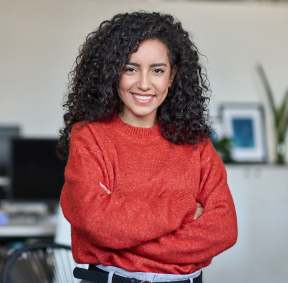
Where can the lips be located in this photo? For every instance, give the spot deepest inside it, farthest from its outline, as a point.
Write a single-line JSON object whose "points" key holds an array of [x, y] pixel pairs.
{"points": [[143, 98]]}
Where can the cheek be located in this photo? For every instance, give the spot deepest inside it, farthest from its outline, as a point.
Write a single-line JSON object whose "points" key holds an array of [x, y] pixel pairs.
{"points": [[163, 85], [124, 84]]}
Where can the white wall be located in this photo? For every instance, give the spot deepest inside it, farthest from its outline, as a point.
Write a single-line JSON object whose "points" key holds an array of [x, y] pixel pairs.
{"points": [[39, 42]]}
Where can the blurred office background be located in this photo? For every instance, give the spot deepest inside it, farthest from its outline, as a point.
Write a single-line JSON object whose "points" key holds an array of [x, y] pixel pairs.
{"points": [[38, 45]]}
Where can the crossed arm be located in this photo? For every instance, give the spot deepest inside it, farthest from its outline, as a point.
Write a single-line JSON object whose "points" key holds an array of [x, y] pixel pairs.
{"points": [[210, 232], [115, 221]]}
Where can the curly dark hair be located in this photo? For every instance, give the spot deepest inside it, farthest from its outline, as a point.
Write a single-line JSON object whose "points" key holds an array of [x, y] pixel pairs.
{"points": [[93, 82]]}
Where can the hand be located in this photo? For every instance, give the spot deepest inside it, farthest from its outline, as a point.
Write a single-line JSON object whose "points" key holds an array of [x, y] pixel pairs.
{"points": [[199, 211]]}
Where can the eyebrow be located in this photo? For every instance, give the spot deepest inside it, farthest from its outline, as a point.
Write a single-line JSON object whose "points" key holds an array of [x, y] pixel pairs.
{"points": [[153, 65]]}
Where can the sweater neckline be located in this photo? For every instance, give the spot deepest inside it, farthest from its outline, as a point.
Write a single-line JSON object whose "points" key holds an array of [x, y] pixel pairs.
{"points": [[136, 133]]}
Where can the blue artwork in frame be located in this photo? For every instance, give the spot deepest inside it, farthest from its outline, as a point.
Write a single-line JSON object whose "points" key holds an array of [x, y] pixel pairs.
{"points": [[243, 132], [243, 124]]}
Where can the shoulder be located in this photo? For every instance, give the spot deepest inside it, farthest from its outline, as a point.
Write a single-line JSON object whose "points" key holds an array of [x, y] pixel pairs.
{"points": [[85, 135], [208, 152], [85, 127], [84, 130]]}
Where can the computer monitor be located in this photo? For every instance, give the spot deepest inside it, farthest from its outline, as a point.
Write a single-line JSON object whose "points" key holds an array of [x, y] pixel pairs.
{"points": [[35, 171], [6, 133]]}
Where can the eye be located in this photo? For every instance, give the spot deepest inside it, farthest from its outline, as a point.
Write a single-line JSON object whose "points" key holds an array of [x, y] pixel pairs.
{"points": [[129, 70], [158, 71]]}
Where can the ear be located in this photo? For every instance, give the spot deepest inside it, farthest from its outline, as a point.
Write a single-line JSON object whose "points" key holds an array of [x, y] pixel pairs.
{"points": [[173, 73]]}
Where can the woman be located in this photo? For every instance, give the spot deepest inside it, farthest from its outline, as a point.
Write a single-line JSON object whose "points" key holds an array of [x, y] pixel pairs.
{"points": [[140, 159]]}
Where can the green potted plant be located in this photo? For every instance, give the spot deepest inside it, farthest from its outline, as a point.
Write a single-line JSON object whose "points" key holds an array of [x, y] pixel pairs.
{"points": [[280, 115]]}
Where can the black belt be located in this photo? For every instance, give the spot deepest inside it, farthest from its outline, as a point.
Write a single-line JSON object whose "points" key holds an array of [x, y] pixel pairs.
{"points": [[98, 275]]}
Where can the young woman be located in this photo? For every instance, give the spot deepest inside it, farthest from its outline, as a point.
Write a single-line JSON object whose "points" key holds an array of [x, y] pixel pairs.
{"points": [[141, 168]]}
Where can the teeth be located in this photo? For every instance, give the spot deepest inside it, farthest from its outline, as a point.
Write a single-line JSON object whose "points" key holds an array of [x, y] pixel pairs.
{"points": [[142, 97]]}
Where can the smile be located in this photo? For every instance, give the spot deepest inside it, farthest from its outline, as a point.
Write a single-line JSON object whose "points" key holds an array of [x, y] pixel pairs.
{"points": [[143, 97]]}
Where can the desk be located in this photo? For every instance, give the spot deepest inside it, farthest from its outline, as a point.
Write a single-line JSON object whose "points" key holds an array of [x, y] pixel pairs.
{"points": [[23, 231], [26, 227]]}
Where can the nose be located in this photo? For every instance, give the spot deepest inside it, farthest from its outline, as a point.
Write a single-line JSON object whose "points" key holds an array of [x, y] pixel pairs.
{"points": [[144, 82]]}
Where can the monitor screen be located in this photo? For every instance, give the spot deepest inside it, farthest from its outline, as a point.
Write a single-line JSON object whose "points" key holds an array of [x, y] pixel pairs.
{"points": [[6, 133], [36, 172]]}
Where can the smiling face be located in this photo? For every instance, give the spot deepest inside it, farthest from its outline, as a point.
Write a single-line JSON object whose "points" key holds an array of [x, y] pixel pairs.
{"points": [[144, 82]]}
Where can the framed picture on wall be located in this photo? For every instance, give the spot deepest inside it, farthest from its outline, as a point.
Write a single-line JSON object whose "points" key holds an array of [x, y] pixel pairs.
{"points": [[243, 124]]}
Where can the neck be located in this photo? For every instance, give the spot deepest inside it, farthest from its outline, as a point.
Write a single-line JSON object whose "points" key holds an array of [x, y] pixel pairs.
{"points": [[141, 122]]}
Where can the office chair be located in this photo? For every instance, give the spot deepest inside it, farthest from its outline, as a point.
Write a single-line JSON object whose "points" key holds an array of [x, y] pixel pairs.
{"points": [[40, 263]]}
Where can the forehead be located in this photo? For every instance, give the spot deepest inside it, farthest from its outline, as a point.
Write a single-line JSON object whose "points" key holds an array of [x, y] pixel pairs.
{"points": [[151, 51]]}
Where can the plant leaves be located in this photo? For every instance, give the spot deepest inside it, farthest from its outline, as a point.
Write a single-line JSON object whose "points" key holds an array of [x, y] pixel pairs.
{"points": [[283, 126], [283, 106], [268, 90]]}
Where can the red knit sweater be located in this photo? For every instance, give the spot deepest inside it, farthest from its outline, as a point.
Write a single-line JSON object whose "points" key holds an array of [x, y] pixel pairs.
{"points": [[147, 221]]}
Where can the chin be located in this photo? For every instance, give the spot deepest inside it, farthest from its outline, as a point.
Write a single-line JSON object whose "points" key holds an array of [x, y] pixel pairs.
{"points": [[142, 114]]}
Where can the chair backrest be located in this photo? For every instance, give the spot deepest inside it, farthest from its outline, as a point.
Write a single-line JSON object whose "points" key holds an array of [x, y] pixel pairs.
{"points": [[40, 263]]}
